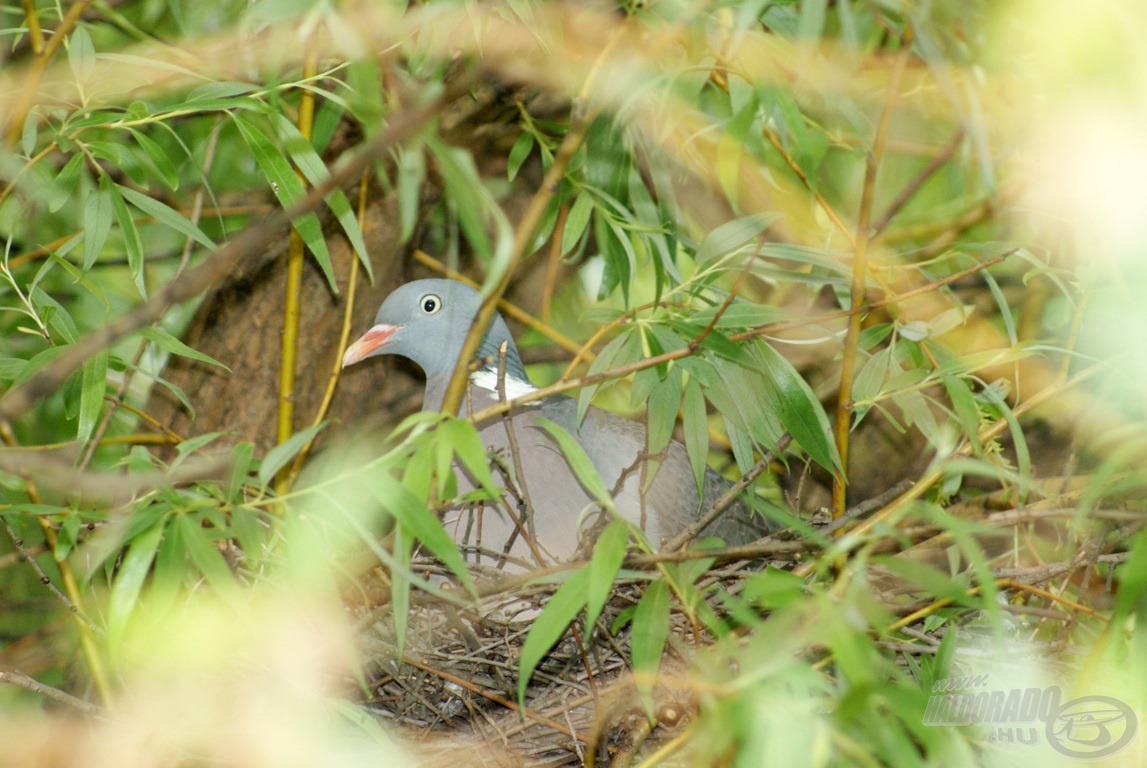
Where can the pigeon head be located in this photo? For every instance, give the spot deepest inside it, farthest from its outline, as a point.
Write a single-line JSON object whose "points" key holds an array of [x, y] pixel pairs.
{"points": [[426, 321]]}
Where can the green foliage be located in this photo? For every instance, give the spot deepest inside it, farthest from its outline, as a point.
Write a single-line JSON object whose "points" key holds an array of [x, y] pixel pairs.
{"points": [[705, 231]]}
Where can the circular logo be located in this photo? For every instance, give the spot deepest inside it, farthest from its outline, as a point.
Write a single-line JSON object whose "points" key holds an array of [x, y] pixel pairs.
{"points": [[1091, 727]]}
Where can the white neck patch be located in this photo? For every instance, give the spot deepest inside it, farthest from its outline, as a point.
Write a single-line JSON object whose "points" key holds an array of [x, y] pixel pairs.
{"points": [[489, 380]]}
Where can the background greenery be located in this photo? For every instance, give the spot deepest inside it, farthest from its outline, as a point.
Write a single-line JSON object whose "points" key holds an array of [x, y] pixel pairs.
{"points": [[685, 200]]}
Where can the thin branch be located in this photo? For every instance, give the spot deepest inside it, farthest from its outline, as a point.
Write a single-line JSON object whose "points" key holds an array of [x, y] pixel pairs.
{"points": [[726, 499], [914, 186], [859, 275], [44, 578], [527, 516], [55, 694]]}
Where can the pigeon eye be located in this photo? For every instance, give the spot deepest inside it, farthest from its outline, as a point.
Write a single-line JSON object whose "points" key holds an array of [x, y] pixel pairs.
{"points": [[430, 303]]}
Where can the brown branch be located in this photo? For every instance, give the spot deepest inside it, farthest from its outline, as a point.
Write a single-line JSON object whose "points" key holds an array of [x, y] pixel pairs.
{"points": [[726, 499], [914, 186], [859, 274], [254, 239], [55, 694]]}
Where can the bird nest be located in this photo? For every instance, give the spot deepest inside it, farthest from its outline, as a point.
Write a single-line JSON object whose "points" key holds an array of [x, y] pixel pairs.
{"points": [[454, 682]]}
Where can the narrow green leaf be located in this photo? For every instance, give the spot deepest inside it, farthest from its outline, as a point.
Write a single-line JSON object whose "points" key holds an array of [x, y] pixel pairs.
{"points": [[518, 154], [241, 460], [132, 242], [98, 216], [65, 182], [278, 456], [964, 404], [412, 514], [287, 187], [608, 555], [315, 171], [732, 235], [158, 158], [550, 625], [166, 215], [92, 388], [800, 410], [463, 436], [586, 473], [648, 633], [696, 426], [130, 576], [664, 402], [465, 193], [203, 552], [172, 345], [577, 221]]}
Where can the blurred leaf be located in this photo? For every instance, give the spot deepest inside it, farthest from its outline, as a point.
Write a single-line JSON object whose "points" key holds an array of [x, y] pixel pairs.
{"points": [[241, 458], [92, 391], [282, 453], [608, 555], [648, 633], [411, 174], [81, 54], [587, 474], [734, 234], [550, 625], [130, 576]]}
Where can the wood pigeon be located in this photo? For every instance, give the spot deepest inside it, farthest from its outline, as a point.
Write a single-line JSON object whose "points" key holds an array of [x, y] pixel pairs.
{"points": [[426, 321]]}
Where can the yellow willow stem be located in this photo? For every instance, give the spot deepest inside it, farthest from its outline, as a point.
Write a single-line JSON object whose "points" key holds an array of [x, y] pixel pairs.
{"points": [[344, 337], [295, 253]]}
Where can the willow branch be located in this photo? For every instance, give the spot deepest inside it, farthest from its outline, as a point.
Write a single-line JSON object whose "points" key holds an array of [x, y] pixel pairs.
{"points": [[859, 275], [296, 251]]}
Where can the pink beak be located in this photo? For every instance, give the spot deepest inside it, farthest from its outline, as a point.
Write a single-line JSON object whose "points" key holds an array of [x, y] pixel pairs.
{"points": [[376, 337]]}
